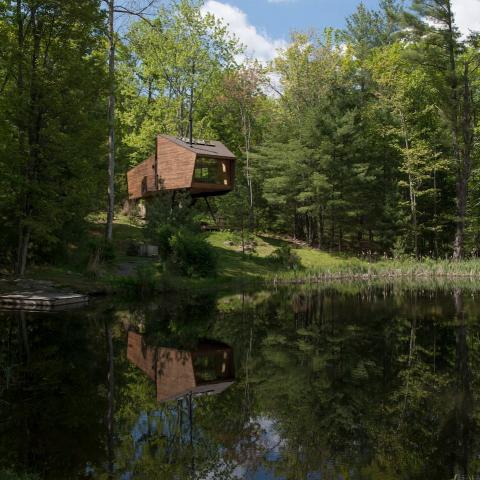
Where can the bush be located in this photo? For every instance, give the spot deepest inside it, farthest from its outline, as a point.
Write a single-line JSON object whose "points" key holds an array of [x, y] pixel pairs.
{"points": [[191, 255], [102, 250], [285, 257], [144, 282], [164, 236]]}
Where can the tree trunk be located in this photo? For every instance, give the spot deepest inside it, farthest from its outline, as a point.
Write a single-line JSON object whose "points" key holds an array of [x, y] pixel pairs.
{"points": [[23, 232], [110, 398], [111, 122], [247, 132], [463, 410], [435, 220], [411, 188], [190, 109], [413, 207], [464, 169], [320, 229], [29, 126]]}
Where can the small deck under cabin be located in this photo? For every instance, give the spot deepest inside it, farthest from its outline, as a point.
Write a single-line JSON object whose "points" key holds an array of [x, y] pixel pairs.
{"points": [[203, 168]]}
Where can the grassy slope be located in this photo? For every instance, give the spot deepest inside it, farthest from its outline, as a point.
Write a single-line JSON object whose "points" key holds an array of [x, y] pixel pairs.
{"points": [[235, 267], [233, 264]]}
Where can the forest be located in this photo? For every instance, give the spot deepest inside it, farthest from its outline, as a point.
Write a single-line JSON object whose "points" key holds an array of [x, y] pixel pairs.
{"points": [[358, 140]]}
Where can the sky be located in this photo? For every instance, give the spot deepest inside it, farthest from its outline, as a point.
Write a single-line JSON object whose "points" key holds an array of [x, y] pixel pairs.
{"points": [[264, 26]]}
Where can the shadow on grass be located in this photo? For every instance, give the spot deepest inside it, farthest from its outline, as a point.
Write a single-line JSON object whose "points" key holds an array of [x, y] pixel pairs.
{"points": [[237, 265], [276, 242]]}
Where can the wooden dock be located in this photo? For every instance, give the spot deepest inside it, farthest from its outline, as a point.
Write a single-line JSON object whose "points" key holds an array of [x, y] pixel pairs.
{"points": [[41, 300]]}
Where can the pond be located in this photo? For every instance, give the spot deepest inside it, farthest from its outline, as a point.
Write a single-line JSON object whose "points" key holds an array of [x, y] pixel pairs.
{"points": [[345, 381]]}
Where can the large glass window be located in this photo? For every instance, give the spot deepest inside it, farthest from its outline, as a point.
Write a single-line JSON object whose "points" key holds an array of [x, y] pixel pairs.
{"points": [[209, 170]]}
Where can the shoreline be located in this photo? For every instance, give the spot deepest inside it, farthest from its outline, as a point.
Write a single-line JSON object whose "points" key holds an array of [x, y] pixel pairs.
{"points": [[111, 285]]}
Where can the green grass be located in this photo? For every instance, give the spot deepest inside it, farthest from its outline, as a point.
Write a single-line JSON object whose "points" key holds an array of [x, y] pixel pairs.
{"points": [[234, 264], [234, 267]]}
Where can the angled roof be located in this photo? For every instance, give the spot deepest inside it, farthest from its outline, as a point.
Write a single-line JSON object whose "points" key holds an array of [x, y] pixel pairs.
{"points": [[209, 149]]}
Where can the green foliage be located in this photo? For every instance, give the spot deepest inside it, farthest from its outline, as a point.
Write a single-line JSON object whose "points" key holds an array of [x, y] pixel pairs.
{"points": [[164, 236], [181, 48], [100, 250], [52, 125], [145, 281], [191, 255], [372, 142], [286, 258], [168, 211]]}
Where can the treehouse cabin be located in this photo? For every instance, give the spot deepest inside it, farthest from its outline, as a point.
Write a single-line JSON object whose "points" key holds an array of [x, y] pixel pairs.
{"points": [[208, 369], [203, 168]]}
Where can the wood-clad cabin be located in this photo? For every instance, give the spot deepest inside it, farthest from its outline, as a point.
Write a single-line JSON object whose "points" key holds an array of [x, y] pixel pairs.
{"points": [[203, 168], [207, 370]]}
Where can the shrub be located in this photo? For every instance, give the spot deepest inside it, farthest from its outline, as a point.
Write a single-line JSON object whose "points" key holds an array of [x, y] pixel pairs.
{"points": [[191, 255], [144, 282], [164, 235], [145, 279], [285, 257], [101, 250]]}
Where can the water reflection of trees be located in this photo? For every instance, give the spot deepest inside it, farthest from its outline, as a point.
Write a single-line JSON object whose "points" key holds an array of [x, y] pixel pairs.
{"points": [[52, 401], [367, 382], [360, 383]]}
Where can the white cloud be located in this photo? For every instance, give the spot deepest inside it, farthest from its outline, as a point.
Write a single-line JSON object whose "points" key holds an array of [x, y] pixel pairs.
{"points": [[258, 45], [467, 15]]}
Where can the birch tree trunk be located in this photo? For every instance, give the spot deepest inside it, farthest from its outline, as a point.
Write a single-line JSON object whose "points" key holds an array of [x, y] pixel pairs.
{"points": [[111, 121], [411, 189]]}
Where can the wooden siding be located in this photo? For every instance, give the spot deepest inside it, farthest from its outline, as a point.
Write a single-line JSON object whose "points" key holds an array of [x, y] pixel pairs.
{"points": [[136, 176], [175, 375], [175, 164], [139, 354]]}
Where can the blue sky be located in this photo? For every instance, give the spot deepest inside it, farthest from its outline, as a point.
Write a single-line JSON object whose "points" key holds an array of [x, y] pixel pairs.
{"points": [[264, 26], [278, 18]]}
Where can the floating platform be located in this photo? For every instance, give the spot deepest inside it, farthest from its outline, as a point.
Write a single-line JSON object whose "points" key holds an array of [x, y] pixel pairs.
{"points": [[41, 300]]}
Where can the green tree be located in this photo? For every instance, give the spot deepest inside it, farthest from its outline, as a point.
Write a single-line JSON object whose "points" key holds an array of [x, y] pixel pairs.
{"points": [[51, 120], [438, 46]]}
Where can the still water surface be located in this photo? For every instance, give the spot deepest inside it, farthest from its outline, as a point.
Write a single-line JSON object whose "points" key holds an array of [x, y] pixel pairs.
{"points": [[345, 382]]}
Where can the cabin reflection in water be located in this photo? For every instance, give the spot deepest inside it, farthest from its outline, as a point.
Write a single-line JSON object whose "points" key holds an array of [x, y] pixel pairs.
{"points": [[207, 370]]}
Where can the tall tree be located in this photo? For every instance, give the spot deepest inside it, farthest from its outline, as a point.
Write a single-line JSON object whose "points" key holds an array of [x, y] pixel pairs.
{"points": [[243, 89], [172, 71], [439, 46], [131, 9], [405, 91], [51, 102]]}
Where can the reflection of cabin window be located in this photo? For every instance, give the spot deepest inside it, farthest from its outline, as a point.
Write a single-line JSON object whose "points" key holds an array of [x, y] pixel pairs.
{"points": [[212, 366], [209, 170]]}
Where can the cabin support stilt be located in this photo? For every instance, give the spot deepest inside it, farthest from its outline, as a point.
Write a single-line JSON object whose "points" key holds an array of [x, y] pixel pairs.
{"points": [[211, 211]]}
